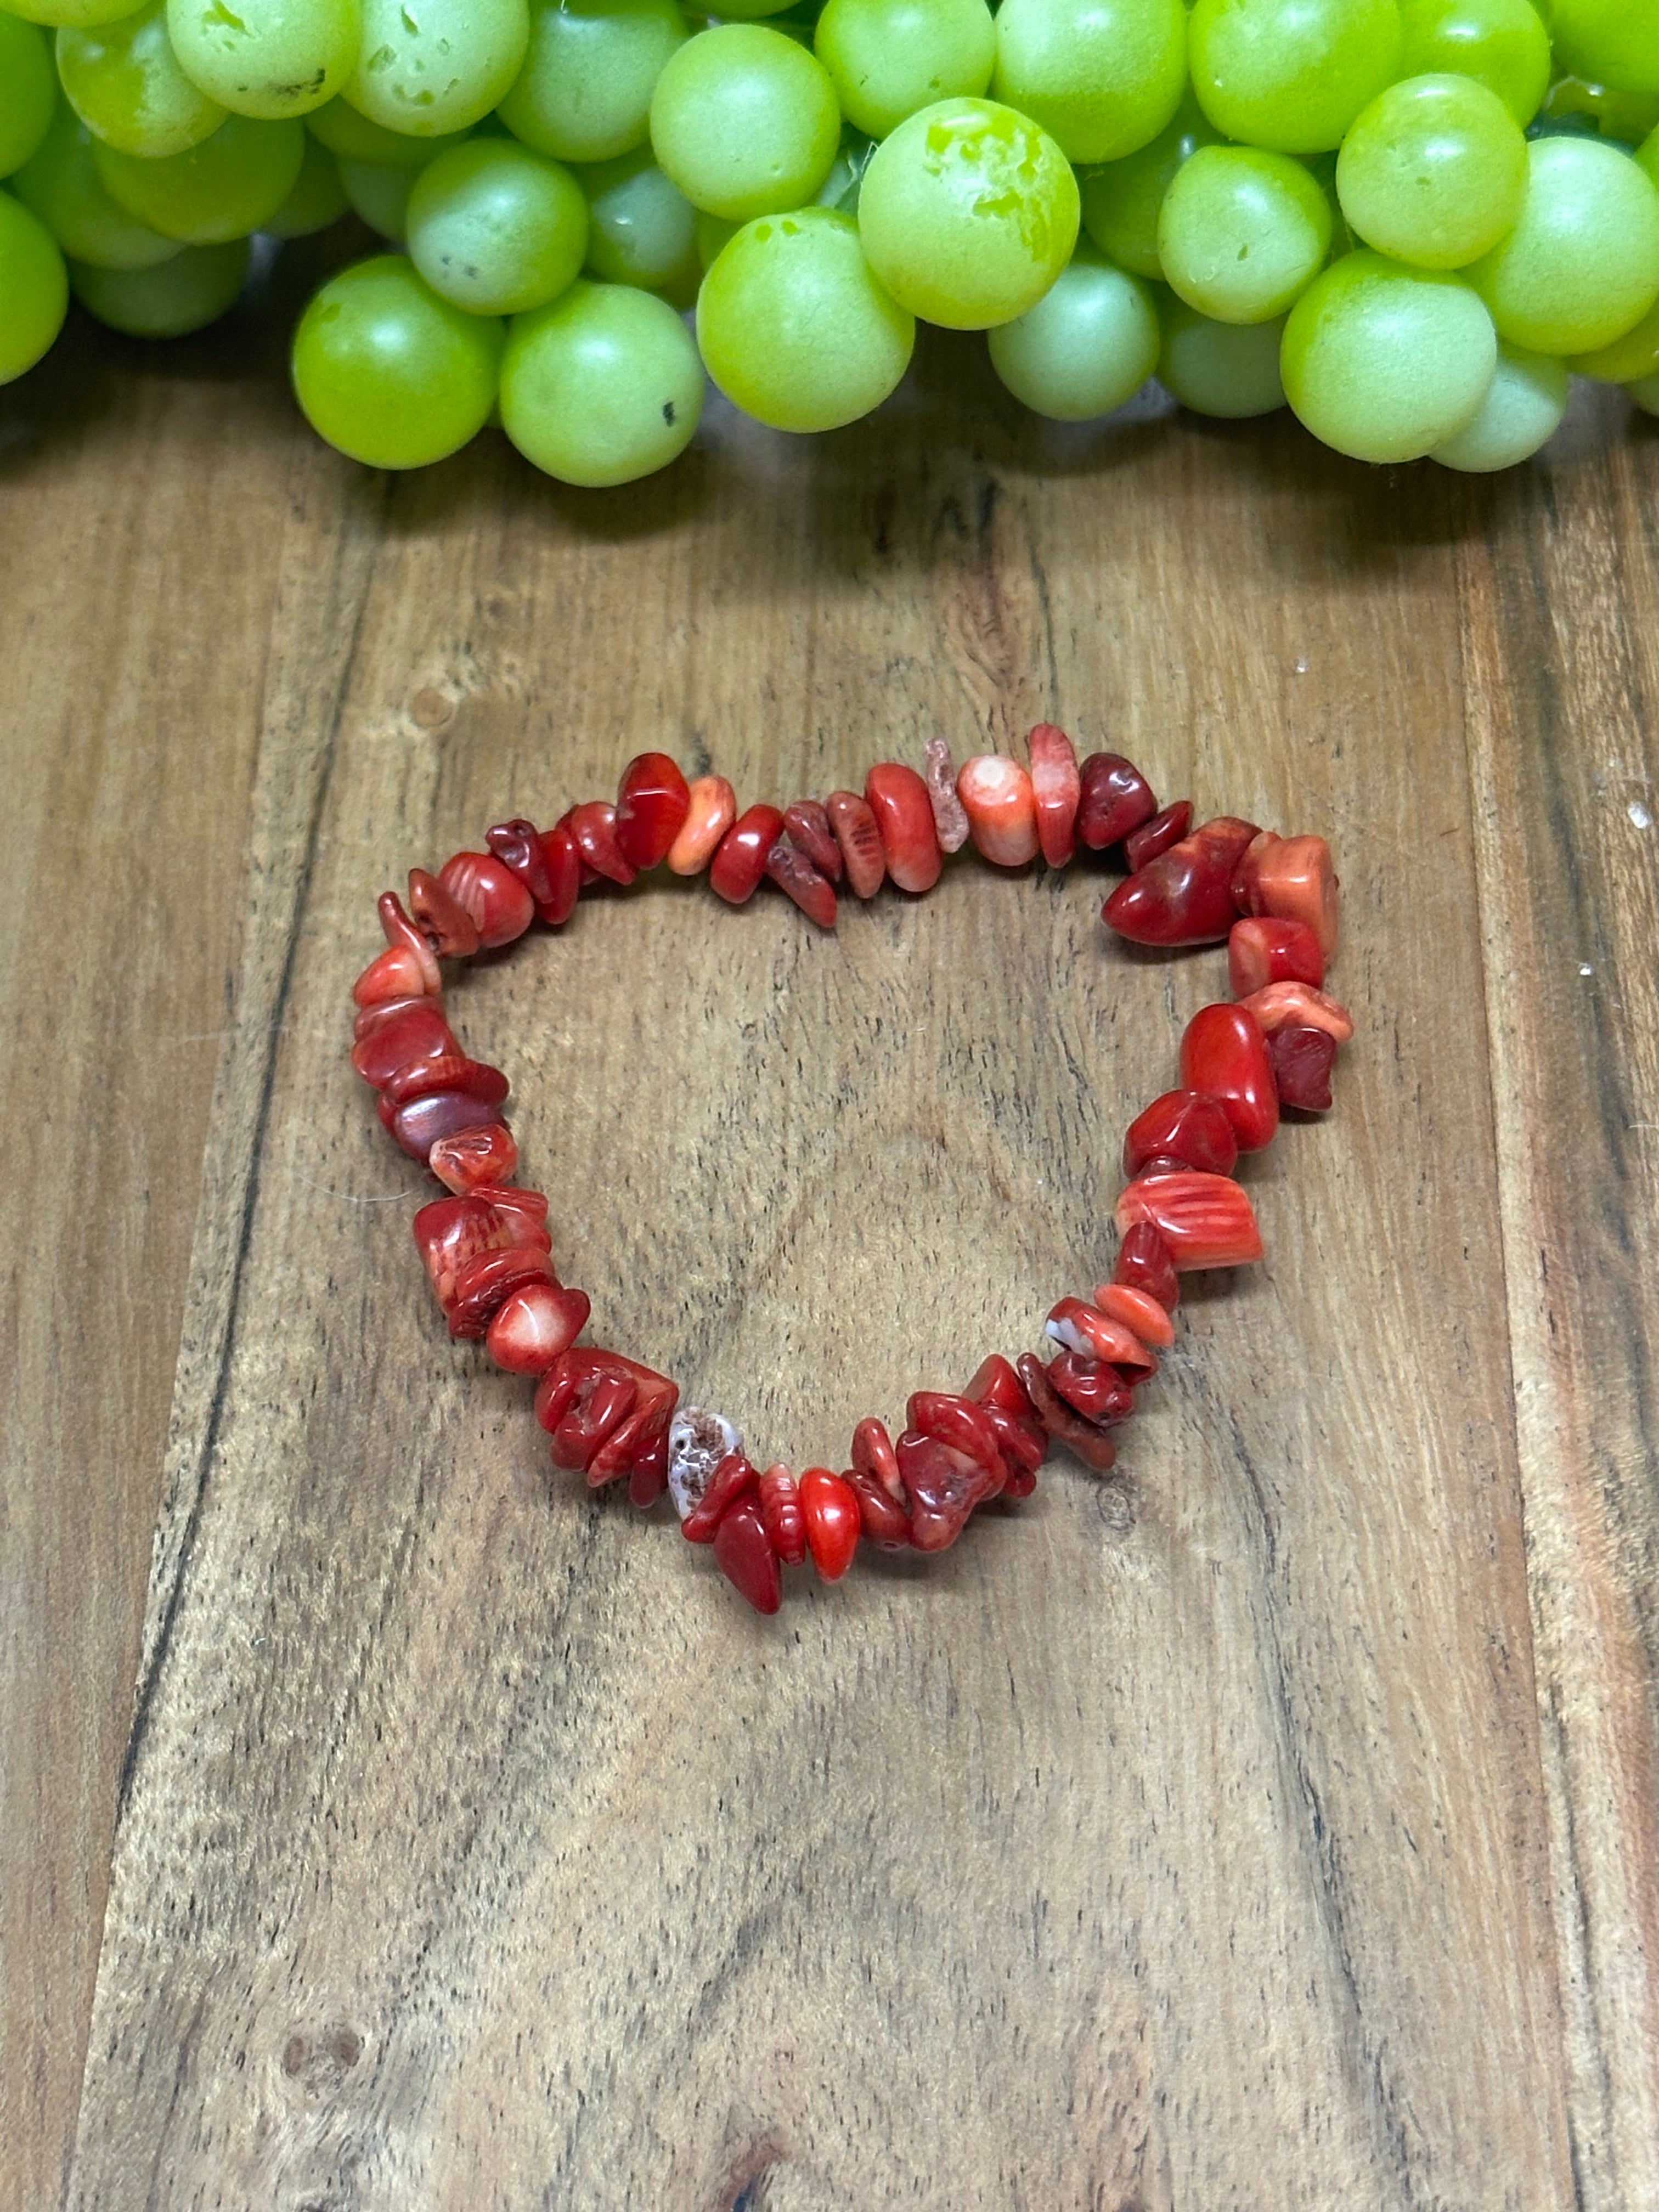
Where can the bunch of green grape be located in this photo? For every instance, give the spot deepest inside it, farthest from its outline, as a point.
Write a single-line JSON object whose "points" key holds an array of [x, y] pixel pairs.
{"points": [[1412, 220]]}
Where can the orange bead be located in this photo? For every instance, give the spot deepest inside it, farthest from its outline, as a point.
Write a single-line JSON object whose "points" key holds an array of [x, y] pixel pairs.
{"points": [[1139, 1310], [1090, 1331], [1205, 1220], [898, 798], [1001, 809], [1292, 880], [830, 1507], [713, 810]]}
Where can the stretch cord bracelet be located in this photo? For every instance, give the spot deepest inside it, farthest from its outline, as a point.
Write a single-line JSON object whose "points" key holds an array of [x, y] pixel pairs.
{"points": [[487, 1249]]}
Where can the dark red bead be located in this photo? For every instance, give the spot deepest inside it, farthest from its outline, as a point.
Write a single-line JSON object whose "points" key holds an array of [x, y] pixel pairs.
{"points": [[1187, 1127], [731, 1478], [419, 1124], [795, 874], [1022, 1441], [652, 800], [806, 824], [608, 1415], [743, 1554], [648, 1477], [602, 1402], [957, 1422], [740, 860], [1261, 951], [884, 1520], [1145, 1262], [859, 841], [1223, 1052], [487, 889], [402, 936], [1185, 895], [1165, 829], [944, 1486], [1114, 797], [445, 920], [996, 1384], [486, 1283], [476, 1079], [1302, 1060], [563, 864], [1092, 1445], [518, 845], [593, 826], [1091, 1387], [400, 1033]]}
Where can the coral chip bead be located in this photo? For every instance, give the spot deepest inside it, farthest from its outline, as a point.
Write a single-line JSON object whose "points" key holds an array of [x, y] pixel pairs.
{"points": [[533, 1325], [448, 923], [1114, 797], [1205, 1220], [1303, 1059], [939, 774], [1156, 836], [652, 800], [1057, 788], [711, 809], [500, 906], [1186, 1125], [398, 1034], [736, 870], [593, 826], [420, 1123], [1001, 808], [806, 825], [859, 841], [780, 1511], [1145, 1262], [1262, 950], [831, 1509], [1297, 1006], [1224, 1052], [1292, 880], [1185, 895], [898, 798], [475, 1158], [743, 1551], [397, 973], [788, 867], [1138, 1311]]}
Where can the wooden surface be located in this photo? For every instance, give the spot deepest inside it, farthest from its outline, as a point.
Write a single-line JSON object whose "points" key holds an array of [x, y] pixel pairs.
{"points": [[1273, 1827]]}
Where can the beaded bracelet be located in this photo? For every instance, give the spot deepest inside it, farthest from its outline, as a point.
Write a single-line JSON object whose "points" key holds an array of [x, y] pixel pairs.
{"points": [[487, 1249]]}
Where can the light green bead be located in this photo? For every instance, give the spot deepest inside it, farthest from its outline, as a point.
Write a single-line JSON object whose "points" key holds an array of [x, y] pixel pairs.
{"points": [[1628, 359], [185, 294], [1102, 77], [60, 182], [496, 228], [1230, 370], [268, 59], [1501, 43], [380, 196], [1611, 42], [317, 197], [388, 372], [431, 66], [642, 227], [1434, 172], [1121, 202], [1522, 410], [221, 190], [28, 91], [1087, 346], [35, 286], [1291, 74], [124, 83], [353, 137], [584, 93], [1384, 362], [1242, 233], [1581, 267], [745, 121], [80, 13], [603, 386], [886, 58]]}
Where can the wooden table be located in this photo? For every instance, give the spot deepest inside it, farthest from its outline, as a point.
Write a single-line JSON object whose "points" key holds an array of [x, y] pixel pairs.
{"points": [[1273, 1827]]}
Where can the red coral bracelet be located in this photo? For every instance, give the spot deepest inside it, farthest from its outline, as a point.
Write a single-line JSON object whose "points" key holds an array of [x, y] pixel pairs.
{"points": [[487, 1249]]}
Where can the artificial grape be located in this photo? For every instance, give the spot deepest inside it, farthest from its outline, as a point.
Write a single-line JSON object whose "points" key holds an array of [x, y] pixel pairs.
{"points": [[380, 196], [60, 182], [1385, 362], [124, 82], [968, 213], [219, 190], [1501, 43], [1628, 359], [80, 13], [584, 93], [1291, 74], [744, 122], [1611, 42], [602, 386], [1433, 172], [34, 285], [429, 66], [1581, 267], [1523, 405], [1102, 77], [886, 58], [388, 372], [642, 227], [1226, 369], [795, 327], [268, 58], [317, 197], [496, 228], [28, 91], [184, 293], [1087, 346], [352, 138], [1121, 201], [1242, 232]]}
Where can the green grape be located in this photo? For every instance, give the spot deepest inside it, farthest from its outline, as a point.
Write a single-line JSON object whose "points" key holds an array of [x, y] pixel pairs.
{"points": [[124, 83], [1502, 43], [1121, 201], [380, 196], [1087, 346], [496, 228], [744, 122], [1230, 370], [1291, 74], [1102, 77], [353, 137], [268, 58], [1624, 115], [968, 213], [1433, 172], [80, 13], [432, 66], [184, 294], [584, 93], [1385, 362], [642, 227], [1628, 359], [316, 200], [388, 372], [1524, 406], [601, 385], [795, 327], [1581, 267], [888, 57], [28, 91], [1611, 42], [34, 285], [1242, 233], [222, 189], [1645, 393], [61, 184]]}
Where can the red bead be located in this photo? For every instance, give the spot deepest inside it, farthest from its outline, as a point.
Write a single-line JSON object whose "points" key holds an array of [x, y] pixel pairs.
{"points": [[1165, 829], [484, 1284], [898, 798], [806, 825], [859, 841], [1205, 1220], [1092, 1388], [474, 1157], [874, 1455], [960, 1422], [829, 1506], [745, 1556], [524, 1211], [1024, 1443], [1185, 895], [1297, 1006], [1114, 797], [944, 1486], [446, 921], [1292, 880], [452, 1232], [884, 1522], [400, 932], [1058, 789], [1138, 1311], [397, 973], [795, 874], [1092, 1445], [1302, 1062], [601, 1402], [1001, 809], [593, 826], [608, 1415], [712, 809], [996, 1384], [518, 845], [648, 1478], [779, 1496], [1224, 1052], [653, 801], [731, 1478], [737, 868], [1185, 1126], [1260, 951], [940, 774], [397, 1034], [473, 1078], [500, 907], [534, 1325], [1085, 1330], [422, 1122], [564, 864], [1145, 1262]]}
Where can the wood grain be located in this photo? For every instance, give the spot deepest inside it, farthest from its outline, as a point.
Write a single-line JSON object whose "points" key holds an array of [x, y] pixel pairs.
{"points": [[1192, 1840]]}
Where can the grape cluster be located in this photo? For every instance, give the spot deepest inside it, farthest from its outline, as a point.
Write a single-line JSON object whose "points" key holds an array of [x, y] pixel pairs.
{"points": [[1412, 220]]}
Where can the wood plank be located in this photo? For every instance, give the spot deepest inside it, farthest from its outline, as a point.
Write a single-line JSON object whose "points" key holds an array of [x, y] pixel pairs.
{"points": [[1173, 1841]]}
